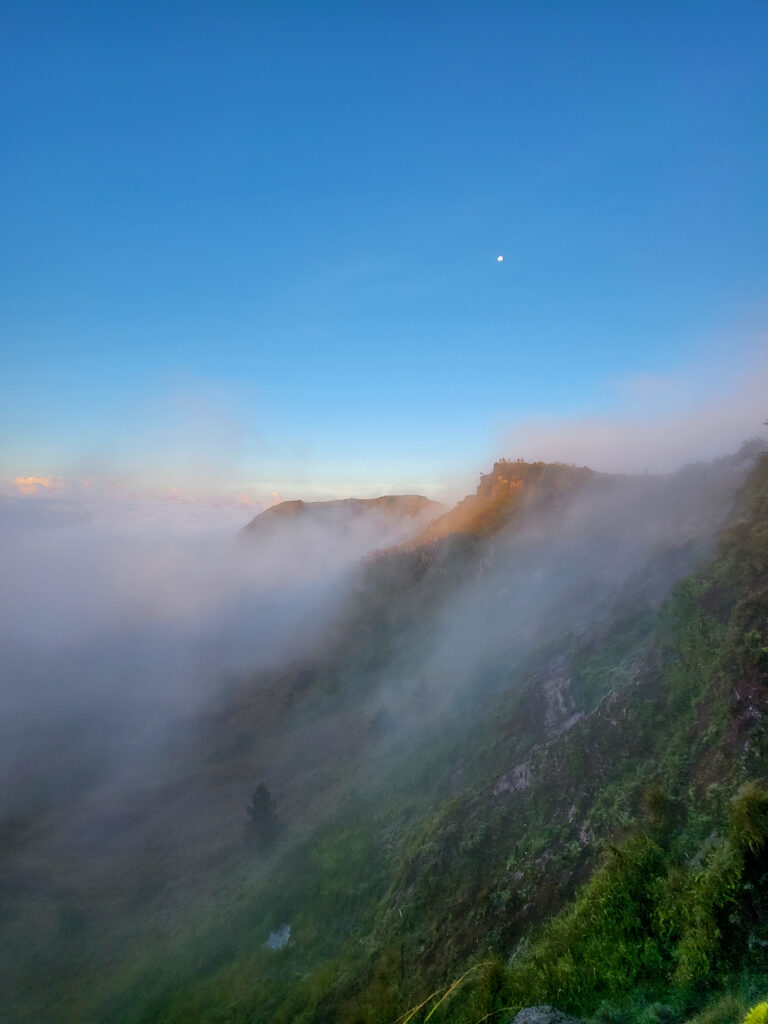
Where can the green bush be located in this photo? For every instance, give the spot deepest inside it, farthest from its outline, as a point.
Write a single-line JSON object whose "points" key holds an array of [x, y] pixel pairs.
{"points": [[749, 817], [726, 1009], [757, 1015], [263, 824]]}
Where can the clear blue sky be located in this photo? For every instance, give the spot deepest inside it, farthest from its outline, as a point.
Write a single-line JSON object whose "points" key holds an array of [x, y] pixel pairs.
{"points": [[273, 227]]}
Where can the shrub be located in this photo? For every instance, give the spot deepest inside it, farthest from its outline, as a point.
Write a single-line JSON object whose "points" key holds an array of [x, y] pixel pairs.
{"points": [[757, 1015], [749, 817], [263, 824], [658, 1013], [725, 1010]]}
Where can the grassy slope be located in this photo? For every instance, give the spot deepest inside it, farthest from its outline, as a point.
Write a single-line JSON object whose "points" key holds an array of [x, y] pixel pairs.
{"points": [[424, 872], [466, 831]]}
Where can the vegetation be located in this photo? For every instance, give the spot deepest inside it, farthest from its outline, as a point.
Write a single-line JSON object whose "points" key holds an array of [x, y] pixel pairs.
{"points": [[757, 1015], [613, 864], [263, 824]]}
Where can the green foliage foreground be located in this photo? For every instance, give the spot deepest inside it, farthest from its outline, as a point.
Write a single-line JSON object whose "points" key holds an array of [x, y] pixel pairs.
{"points": [[671, 935], [624, 880], [648, 922]]}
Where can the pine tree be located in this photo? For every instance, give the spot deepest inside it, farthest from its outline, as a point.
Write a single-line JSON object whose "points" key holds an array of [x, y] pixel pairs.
{"points": [[263, 823]]}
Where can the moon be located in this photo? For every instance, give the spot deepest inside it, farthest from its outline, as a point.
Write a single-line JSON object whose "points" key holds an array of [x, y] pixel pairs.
{"points": [[499, 259]]}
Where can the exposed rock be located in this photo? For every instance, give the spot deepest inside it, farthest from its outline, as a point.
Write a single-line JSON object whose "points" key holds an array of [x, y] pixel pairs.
{"points": [[541, 1015], [502, 494], [279, 938], [556, 707], [569, 723], [586, 835], [519, 778]]}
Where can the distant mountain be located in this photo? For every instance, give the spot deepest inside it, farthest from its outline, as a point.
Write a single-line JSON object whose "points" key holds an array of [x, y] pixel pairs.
{"points": [[530, 756], [386, 512]]}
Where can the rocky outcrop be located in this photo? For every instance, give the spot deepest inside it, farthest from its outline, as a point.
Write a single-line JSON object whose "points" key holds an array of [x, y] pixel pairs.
{"points": [[541, 1015], [502, 493], [515, 781]]}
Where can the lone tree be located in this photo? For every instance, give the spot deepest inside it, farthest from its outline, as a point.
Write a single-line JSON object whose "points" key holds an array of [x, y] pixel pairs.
{"points": [[263, 824]]}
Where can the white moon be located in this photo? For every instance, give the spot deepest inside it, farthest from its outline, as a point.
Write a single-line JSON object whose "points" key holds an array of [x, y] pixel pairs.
{"points": [[499, 259]]}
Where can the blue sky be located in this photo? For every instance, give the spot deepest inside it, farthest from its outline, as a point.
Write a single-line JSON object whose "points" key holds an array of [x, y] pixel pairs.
{"points": [[255, 243]]}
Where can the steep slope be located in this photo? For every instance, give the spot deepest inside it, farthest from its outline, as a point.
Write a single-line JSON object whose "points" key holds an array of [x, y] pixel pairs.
{"points": [[503, 493], [496, 704], [462, 846], [477, 859]]}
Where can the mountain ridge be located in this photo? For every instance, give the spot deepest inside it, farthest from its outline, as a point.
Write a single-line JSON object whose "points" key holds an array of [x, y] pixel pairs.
{"points": [[453, 768], [501, 492], [339, 510]]}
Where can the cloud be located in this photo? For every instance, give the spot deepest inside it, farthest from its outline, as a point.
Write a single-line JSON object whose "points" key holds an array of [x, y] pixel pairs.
{"points": [[101, 493], [657, 424], [29, 485], [134, 611]]}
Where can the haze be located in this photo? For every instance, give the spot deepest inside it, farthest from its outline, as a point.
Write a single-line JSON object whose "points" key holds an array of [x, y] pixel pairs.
{"points": [[321, 520]]}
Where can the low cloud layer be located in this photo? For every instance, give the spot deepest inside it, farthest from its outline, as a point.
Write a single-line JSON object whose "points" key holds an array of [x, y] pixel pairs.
{"points": [[658, 423], [130, 613], [157, 666]]}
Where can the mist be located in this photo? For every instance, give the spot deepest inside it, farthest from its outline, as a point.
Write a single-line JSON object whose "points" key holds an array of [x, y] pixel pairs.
{"points": [[657, 424], [158, 662], [120, 617], [123, 620], [551, 577], [557, 574]]}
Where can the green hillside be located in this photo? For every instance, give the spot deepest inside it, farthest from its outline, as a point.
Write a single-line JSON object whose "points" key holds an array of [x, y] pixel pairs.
{"points": [[573, 811]]}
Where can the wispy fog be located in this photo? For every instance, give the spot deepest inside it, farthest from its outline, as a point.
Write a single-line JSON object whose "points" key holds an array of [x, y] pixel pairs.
{"points": [[557, 573], [657, 424], [118, 616], [158, 663]]}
